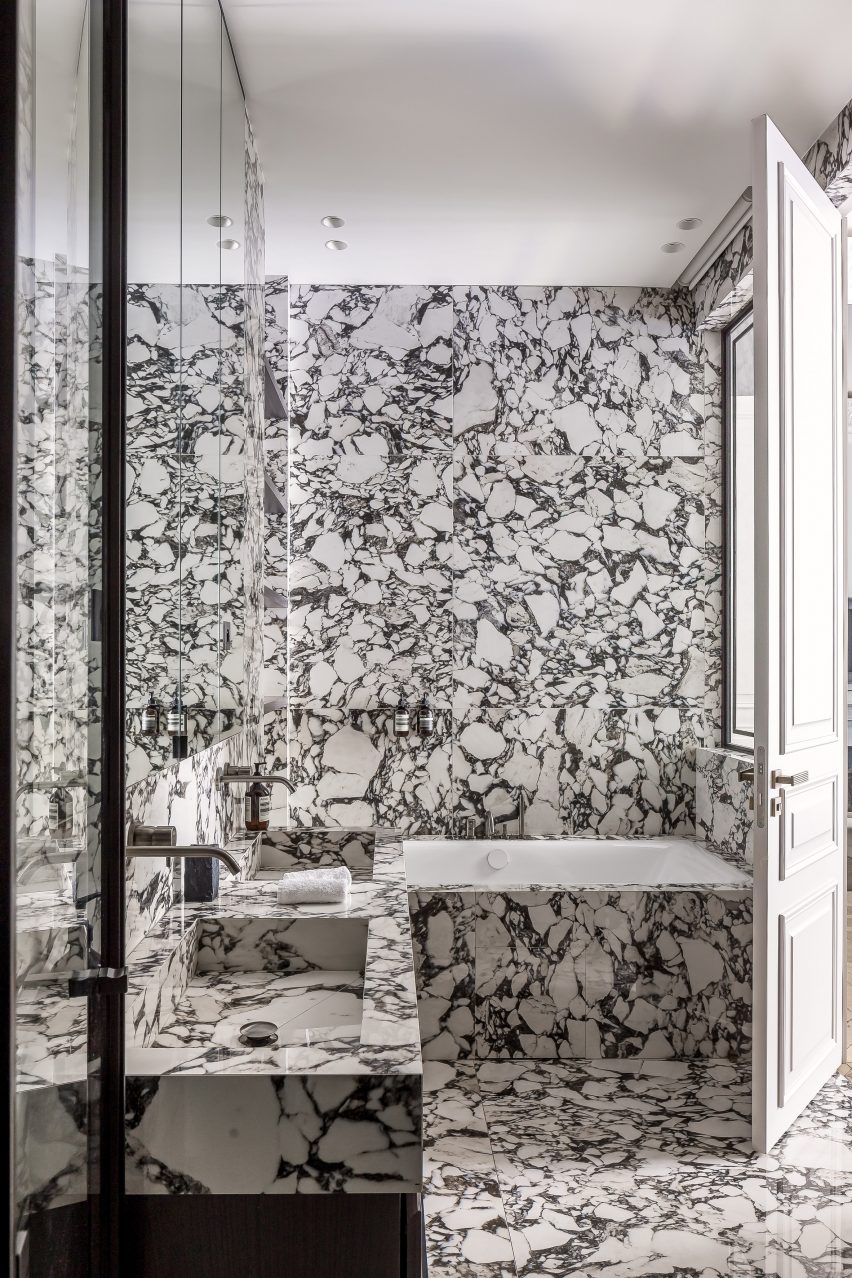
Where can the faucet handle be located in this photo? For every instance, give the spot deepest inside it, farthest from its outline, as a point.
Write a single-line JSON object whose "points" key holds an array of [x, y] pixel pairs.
{"points": [[147, 836]]}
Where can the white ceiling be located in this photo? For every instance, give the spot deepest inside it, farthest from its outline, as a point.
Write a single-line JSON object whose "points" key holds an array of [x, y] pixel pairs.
{"points": [[521, 141]]}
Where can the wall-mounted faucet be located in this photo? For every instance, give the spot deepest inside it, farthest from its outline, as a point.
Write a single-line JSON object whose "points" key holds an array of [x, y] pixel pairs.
{"points": [[235, 774], [159, 841]]}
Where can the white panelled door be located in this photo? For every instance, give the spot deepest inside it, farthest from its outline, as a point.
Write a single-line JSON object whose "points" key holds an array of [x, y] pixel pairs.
{"points": [[800, 645]]}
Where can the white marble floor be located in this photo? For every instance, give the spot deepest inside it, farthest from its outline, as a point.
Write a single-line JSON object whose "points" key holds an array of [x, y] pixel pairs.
{"points": [[626, 1168]]}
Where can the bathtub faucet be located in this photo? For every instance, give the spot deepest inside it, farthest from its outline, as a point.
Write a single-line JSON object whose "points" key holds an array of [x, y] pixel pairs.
{"points": [[518, 817]]}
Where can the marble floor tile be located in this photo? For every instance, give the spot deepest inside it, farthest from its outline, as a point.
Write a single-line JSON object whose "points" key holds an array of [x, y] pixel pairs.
{"points": [[626, 1168], [695, 1224], [466, 1231]]}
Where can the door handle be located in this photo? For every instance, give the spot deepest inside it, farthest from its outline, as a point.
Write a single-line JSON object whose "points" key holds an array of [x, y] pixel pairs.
{"points": [[795, 778]]}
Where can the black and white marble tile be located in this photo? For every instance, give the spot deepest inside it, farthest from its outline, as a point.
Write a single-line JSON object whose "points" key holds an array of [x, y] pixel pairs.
{"points": [[633, 1168], [370, 368], [595, 372]]}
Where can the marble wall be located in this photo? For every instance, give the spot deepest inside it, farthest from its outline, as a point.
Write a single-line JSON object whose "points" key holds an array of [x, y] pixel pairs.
{"points": [[497, 496]]}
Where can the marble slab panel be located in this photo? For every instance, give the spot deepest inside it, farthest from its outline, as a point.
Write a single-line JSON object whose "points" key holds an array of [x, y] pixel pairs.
{"points": [[579, 582], [351, 770], [370, 360], [589, 371], [443, 939], [722, 815], [668, 974], [609, 771]]}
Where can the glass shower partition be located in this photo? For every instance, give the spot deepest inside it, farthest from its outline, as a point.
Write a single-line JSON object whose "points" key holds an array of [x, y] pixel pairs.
{"points": [[65, 877]]}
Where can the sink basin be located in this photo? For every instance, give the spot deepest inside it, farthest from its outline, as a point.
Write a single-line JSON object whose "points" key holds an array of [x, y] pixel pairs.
{"points": [[305, 976]]}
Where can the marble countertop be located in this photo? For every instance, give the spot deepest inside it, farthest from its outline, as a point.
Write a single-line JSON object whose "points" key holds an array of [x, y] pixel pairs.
{"points": [[52, 1028], [389, 1041]]}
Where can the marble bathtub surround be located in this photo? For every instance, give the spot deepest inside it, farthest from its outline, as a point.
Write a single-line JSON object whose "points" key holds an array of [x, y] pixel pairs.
{"points": [[585, 974], [542, 1168], [722, 814], [334, 1105]]}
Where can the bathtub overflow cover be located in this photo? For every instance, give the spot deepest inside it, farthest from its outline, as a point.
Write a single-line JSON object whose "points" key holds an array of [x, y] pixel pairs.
{"points": [[258, 1033], [498, 859]]}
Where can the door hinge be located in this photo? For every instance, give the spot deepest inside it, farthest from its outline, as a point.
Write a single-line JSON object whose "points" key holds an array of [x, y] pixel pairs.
{"points": [[97, 980]]}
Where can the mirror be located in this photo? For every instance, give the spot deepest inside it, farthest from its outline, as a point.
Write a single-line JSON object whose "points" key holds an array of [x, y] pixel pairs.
{"points": [[185, 384]]}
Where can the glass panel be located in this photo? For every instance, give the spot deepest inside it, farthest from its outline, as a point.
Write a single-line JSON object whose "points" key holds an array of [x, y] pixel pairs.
{"points": [[154, 315], [739, 396], [232, 685], [58, 612], [178, 322]]}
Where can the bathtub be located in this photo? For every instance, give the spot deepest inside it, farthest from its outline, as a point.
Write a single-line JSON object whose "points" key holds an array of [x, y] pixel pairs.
{"points": [[528, 864], [580, 948]]}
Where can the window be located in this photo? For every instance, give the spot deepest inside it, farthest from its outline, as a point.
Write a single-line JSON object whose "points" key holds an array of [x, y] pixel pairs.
{"points": [[738, 391]]}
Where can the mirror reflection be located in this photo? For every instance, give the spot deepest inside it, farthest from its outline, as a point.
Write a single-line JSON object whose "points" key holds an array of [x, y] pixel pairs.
{"points": [[185, 385]]}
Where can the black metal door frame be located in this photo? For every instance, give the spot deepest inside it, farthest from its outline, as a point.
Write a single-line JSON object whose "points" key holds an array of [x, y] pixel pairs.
{"points": [[106, 1011]]}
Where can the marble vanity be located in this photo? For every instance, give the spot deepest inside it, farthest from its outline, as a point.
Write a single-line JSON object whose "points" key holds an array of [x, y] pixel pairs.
{"points": [[334, 1105]]}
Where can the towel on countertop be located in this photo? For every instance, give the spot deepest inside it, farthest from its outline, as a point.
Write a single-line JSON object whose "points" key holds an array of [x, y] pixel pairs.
{"points": [[326, 885]]}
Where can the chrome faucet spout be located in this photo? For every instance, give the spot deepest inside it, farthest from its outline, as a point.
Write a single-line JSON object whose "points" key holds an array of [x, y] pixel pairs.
{"points": [[233, 775], [186, 852]]}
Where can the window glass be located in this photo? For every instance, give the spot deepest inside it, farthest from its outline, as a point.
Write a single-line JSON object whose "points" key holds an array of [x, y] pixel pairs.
{"points": [[739, 528]]}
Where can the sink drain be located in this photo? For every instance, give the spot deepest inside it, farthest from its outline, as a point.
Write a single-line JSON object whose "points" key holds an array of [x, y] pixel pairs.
{"points": [[258, 1033]]}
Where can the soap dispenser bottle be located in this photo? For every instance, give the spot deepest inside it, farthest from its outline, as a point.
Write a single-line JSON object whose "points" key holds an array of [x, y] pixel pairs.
{"points": [[151, 717], [425, 717], [176, 724], [256, 805], [401, 718]]}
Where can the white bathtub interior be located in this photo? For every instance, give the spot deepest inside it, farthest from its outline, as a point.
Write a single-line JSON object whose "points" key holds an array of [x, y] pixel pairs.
{"points": [[567, 863]]}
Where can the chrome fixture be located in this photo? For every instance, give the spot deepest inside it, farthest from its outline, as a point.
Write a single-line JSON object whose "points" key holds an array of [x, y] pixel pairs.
{"points": [[333, 222], [258, 1033], [518, 817], [61, 856], [795, 778], [336, 246], [468, 829], [220, 219], [234, 774], [159, 841], [489, 825]]}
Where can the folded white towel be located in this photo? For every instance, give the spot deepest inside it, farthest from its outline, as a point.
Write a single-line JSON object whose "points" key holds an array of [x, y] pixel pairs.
{"points": [[326, 884]]}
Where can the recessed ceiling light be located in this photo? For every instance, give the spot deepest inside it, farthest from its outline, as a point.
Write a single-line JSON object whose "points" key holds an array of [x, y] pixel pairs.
{"points": [[688, 223], [333, 222], [336, 246], [673, 246], [220, 219], [229, 245]]}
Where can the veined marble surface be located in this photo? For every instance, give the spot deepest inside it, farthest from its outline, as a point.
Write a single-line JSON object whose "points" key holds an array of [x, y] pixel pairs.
{"points": [[336, 1105], [663, 973], [640, 1168]]}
